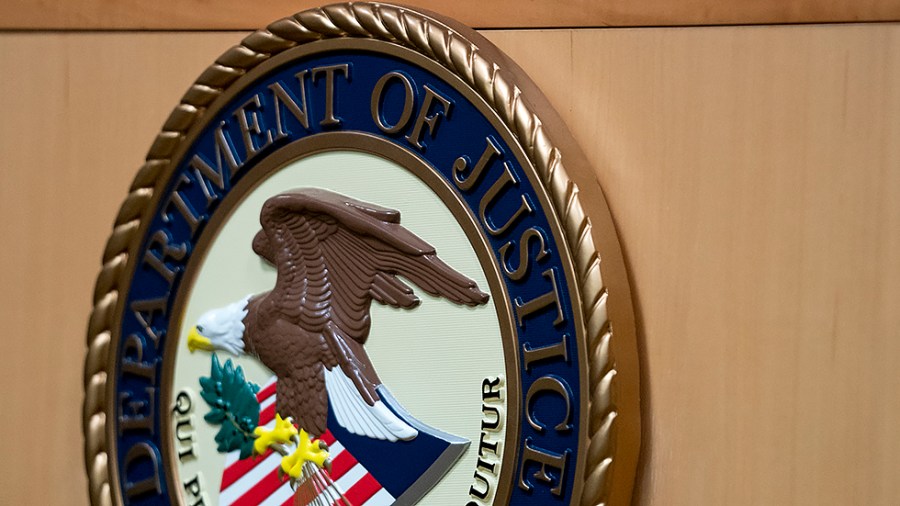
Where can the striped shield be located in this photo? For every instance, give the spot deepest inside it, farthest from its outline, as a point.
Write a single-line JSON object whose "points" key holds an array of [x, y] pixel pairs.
{"points": [[364, 471]]}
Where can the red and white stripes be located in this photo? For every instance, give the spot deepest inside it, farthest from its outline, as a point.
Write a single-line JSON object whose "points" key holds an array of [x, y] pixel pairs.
{"points": [[254, 481]]}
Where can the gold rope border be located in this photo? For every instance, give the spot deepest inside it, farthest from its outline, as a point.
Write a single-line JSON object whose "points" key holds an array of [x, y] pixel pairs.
{"points": [[447, 47]]}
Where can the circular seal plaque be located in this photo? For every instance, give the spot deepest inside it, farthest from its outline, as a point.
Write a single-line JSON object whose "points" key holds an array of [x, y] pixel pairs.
{"points": [[364, 264]]}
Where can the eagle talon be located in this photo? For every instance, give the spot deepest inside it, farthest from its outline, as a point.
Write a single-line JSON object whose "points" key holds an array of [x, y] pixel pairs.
{"points": [[283, 432], [307, 450]]}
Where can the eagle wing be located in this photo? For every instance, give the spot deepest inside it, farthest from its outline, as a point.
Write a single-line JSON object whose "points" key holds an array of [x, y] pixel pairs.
{"points": [[333, 256]]}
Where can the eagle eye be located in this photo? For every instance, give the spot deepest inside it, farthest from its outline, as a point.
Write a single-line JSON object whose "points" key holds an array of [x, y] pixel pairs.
{"points": [[200, 328]]}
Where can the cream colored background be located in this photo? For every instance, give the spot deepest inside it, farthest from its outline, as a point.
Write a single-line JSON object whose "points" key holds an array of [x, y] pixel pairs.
{"points": [[753, 176], [438, 351]]}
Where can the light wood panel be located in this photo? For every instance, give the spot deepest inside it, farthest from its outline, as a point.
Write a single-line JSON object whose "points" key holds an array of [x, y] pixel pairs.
{"points": [[240, 14], [753, 175], [79, 112]]}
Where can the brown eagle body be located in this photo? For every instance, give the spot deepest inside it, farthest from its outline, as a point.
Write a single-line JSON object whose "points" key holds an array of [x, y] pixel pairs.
{"points": [[333, 256]]}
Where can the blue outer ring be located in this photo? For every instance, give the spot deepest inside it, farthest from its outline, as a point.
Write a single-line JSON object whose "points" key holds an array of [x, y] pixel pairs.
{"points": [[461, 132]]}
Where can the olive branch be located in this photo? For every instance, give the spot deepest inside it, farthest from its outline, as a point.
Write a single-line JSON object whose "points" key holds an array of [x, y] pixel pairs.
{"points": [[234, 406], [235, 409]]}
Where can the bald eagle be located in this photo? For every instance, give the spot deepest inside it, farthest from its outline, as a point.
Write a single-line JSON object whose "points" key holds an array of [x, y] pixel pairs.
{"points": [[333, 256]]}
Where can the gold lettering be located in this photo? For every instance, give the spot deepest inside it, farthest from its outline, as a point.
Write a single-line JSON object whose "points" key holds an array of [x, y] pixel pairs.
{"points": [[329, 71], [550, 385], [135, 365], [144, 311], [136, 488], [206, 175], [526, 309], [551, 351], [545, 459], [524, 265], [248, 116], [281, 96], [505, 179], [140, 415], [167, 251], [175, 198], [378, 102], [426, 118], [466, 183]]}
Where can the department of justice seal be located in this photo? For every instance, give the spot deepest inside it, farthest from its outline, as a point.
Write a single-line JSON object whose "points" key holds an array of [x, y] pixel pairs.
{"points": [[356, 269]]}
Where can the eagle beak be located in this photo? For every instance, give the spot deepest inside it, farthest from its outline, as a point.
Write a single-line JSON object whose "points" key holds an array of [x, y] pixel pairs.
{"points": [[197, 342]]}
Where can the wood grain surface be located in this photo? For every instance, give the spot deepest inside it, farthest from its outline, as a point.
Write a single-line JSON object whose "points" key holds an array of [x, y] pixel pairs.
{"points": [[753, 173], [240, 14]]}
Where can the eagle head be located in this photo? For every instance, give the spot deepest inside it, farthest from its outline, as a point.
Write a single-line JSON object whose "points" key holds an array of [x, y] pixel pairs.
{"points": [[220, 329]]}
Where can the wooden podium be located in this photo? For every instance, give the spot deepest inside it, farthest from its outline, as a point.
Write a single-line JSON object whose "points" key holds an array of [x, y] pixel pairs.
{"points": [[753, 173]]}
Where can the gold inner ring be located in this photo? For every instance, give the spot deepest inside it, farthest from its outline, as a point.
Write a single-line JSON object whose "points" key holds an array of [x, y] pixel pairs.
{"points": [[366, 143]]}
